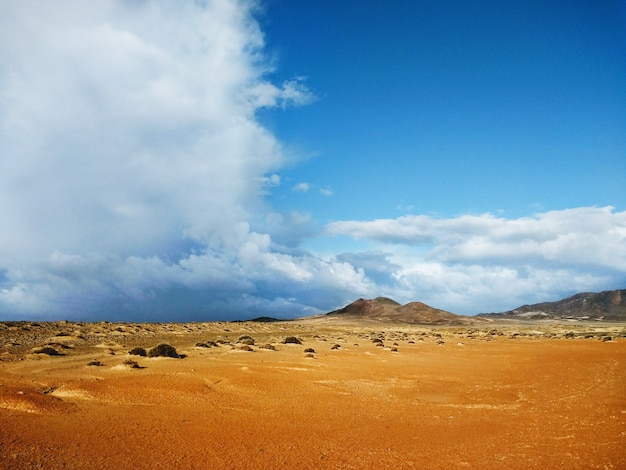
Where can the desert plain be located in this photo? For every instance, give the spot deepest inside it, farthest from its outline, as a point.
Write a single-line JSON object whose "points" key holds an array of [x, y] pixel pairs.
{"points": [[346, 395]]}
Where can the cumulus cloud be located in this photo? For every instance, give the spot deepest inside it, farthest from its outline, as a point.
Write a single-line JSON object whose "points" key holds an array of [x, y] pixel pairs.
{"points": [[133, 168], [302, 187], [475, 263]]}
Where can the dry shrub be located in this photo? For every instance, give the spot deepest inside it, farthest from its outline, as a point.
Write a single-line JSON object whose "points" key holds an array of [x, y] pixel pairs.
{"points": [[292, 340], [48, 350], [163, 350], [132, 364], [246, 339], [95, 363], [336, 346], [309, 350], [137, 352]]}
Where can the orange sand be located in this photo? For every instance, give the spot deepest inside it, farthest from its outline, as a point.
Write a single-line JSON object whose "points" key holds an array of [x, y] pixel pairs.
{"points": [[511, 402]]}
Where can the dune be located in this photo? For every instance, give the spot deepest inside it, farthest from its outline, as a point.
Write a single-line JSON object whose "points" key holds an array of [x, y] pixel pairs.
{"points": [[368, 395]]}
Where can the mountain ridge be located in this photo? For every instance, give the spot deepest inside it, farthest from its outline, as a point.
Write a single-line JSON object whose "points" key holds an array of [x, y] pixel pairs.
{"points": [[607, 305]]}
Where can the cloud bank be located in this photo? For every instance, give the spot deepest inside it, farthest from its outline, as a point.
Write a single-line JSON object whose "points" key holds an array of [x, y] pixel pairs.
{"points": [[133, 168], [479, 263], [134, 174]]}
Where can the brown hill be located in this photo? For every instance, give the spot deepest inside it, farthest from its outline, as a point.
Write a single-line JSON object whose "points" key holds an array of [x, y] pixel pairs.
{"points": [[607, 305], [388, 310]]}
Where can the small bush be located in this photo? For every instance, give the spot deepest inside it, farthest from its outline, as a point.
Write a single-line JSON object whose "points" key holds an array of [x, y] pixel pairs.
{"points": [[292, 340], [268, 346], [95, 363], [137, 352], [163, 350], [336, 346], [309, 350], [245, 347], [246, 339], [48, 350], [132, 364]]}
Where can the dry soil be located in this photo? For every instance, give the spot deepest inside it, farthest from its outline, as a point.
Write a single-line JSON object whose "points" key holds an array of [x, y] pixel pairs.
{"points": [[370, 396]]}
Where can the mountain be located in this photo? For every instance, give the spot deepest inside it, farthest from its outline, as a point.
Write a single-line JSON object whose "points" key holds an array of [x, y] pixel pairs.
{"points": [[608, 306], [388, 310]]}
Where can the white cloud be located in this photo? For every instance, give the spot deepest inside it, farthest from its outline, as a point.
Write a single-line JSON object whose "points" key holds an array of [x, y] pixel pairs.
{"points": [[469, 264], [302, 187], [587, 235], [326, 192], [132, 162]]}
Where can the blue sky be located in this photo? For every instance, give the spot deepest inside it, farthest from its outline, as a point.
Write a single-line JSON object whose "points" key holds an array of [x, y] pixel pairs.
{"points": [[229, 159]]}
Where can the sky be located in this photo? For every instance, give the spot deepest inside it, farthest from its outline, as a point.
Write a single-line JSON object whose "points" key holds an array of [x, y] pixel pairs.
{"points": [[230, 159]]}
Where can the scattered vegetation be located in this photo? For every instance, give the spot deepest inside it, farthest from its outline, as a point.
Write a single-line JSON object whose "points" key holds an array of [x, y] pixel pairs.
{"points": [[50, 351], [207, 344], [95, 363], [245, 339], [269, 346], [132, 364], [292, 340], [336, 346], [309, 350], [138, 352], [163, 350]]}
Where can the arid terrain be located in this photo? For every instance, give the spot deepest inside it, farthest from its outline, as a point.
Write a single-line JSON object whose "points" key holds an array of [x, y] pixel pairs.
{"points": [[518, 395]]}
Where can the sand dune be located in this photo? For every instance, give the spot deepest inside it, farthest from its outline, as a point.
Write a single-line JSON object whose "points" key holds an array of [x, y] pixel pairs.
{"points": [[361, 396]]}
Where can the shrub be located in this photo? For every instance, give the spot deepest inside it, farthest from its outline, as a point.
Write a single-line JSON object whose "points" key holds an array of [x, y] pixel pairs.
{"points": [[292, 340], [48, 350], [163, 350], [132, 364], [95, 363], [309, 350], [336, 346], [138, 352]]}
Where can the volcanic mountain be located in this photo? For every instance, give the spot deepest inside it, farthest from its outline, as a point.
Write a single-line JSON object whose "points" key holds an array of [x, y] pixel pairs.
{"points": [[607, 305], [388, 310]]}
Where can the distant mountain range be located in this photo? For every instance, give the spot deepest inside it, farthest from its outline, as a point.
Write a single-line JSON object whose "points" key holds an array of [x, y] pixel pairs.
{"points": [[387, 310], [602, 306], [608, 305]]}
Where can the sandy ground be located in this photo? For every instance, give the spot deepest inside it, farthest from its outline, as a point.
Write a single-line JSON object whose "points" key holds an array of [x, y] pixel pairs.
{"points": [[515, 397]]}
